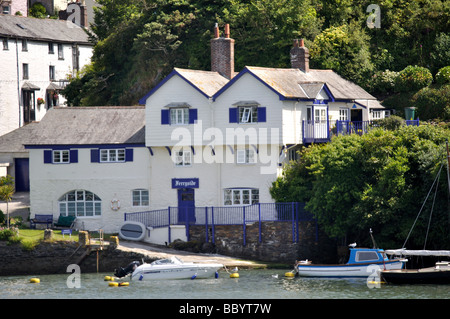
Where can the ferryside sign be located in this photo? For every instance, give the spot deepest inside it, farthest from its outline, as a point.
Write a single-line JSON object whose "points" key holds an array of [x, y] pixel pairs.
{"points": [[185, 182]]}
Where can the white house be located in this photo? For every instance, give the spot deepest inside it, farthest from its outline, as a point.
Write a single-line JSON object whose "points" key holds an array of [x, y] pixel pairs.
{"points": [[38, 56], [204, 138]]}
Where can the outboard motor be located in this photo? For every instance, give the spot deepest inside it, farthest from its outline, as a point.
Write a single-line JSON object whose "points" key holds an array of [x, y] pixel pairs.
{"points": [[122, 272]]}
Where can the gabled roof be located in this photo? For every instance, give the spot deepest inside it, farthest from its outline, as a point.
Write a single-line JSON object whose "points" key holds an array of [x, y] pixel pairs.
{"points": [[206, 82], [42, 29], [13, 141], [90, 126], [296, 84]]}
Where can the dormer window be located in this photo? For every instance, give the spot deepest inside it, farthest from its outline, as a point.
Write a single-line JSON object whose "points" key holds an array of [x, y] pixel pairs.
{"points": [[246, 112], [179, 116]]}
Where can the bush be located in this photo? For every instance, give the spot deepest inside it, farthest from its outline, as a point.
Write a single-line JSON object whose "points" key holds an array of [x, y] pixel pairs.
{"points": [[391, 123], [37, 10], [433, 103], [384, 81], [413, 78], [443, 75]]}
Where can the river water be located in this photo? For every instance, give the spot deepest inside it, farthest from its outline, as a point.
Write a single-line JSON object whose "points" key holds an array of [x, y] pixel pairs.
{"points": [[251, 284]]}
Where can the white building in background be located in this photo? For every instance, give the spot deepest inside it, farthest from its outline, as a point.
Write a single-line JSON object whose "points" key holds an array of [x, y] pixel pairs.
{"points": [[38, 56], [204, 138]]}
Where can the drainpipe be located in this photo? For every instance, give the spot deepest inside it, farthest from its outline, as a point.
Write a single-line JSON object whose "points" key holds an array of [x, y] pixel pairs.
{"points": [[18, 81]]}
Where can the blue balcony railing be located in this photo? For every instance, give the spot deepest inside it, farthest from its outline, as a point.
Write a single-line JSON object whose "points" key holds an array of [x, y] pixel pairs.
{"points": [[314, 132]]}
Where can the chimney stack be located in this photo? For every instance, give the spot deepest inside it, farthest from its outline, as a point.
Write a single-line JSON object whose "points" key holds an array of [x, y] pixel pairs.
{"points": [[222, 53], [300, 56]]}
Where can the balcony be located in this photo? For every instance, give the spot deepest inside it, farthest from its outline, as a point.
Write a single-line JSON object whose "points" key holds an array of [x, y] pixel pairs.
{"points": [[321, 132]]}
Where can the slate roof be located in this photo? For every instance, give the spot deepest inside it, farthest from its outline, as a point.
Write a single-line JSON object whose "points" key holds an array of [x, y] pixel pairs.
{"points": [[294, 83], [90, 126], [13, 141], [206, 82], [42, 29]]}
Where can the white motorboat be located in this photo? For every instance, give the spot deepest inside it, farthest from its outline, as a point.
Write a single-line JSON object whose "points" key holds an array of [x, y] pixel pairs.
{"points": [[171, 268]]}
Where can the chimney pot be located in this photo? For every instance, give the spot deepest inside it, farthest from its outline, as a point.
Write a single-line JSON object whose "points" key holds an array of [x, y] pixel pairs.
{"points": [[302, 43], [227, 30], [216, 31]]}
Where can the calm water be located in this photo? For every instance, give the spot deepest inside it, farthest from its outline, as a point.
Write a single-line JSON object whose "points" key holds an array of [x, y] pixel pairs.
{"points": [[252, 284]]}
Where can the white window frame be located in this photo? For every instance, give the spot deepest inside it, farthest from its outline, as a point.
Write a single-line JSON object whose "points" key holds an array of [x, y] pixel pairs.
{"points": [[343, 114], [80, 203], [61, 156], [377, 114], [245, 156], [179, 116], [240, 196], [140, 197], [115, 155], [248, 114], [182, 157], [60, 51]]}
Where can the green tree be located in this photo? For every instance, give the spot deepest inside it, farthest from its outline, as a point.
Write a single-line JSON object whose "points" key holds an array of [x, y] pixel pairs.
{"points": [[7, 190], [378, 180]]}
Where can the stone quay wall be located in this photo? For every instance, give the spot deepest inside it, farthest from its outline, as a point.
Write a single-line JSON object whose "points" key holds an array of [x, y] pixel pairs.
{"points": [[276, 245]]}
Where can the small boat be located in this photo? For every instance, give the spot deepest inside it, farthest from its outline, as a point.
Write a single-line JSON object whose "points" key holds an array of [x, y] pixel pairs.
{"points": [[170, 268], [439, 274], [362, 263]]}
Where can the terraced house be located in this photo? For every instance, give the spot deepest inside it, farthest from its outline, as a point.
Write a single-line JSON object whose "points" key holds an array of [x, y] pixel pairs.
{"points": [[38, 57], [203, 138]]}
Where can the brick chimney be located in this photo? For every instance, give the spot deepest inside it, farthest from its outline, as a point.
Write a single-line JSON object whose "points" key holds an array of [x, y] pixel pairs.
{"points": [[222, 53], [300, 56]]}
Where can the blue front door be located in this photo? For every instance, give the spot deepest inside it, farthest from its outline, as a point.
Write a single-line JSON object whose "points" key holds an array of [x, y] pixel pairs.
{"points": [[186, 205], [22, 178]]}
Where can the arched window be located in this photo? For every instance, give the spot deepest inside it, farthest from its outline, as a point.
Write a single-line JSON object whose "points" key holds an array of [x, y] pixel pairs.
{"points": [[80, 203]]}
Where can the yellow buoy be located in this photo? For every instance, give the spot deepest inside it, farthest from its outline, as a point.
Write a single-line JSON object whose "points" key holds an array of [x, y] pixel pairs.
{"points": [[35, 280], [289, 274], [234, 275], [124, 284], [113, 284], [109, 278]]}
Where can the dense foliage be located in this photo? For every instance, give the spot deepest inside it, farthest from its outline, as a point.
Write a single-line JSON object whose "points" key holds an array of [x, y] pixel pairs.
{"points": [[138, 42], [380, 181]]}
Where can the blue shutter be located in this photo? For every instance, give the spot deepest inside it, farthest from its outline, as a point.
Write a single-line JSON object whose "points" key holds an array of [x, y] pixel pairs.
{"points": [[95, 155], [165, 117], [261, 114], [192, 116], [73, 156], [233, 115], [128, 155], [48, 157]]}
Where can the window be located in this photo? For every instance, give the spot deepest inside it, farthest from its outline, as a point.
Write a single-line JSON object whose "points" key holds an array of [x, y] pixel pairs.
{"points": [[376, 115], [248, 114], [183, 158], [366, 256], [241, 196], [5, 44], [61, 156], [51, 72], [112, 155], [343, 114], [25, 71], [80, 203], [246, 156], [24, 45], [140, 197], [179, 116], [6, 10], [60, 51], [51, 49]]}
